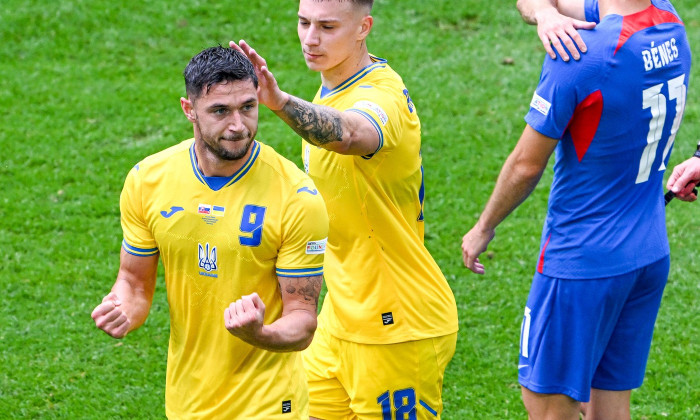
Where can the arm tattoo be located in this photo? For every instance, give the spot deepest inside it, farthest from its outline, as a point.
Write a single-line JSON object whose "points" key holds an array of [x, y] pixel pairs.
{"points": [[309, 288], [317, 124]]}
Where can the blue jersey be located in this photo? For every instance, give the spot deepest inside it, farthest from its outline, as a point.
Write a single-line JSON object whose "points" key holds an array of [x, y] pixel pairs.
{"points": [[616, 114]]}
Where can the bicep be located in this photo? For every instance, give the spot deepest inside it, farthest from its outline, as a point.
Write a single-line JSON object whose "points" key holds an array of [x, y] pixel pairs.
{"points": [[300, 293], [360, 135]]}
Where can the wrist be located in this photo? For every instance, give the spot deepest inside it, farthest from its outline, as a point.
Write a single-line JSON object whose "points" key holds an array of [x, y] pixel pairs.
{"points": [[281, 102]]}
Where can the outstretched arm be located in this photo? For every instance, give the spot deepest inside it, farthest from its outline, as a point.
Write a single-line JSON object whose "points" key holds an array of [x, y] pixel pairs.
{"points": [[342, 132], [520, 174], [557, 22], [293, 331], [685, 177], [126, 307]]}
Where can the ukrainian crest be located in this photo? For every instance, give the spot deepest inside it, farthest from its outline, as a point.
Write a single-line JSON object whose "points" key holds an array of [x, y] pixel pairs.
{"points": [[207, 260]]}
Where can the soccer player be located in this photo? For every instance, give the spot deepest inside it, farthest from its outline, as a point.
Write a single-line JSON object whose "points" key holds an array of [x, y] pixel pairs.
{"points": [[685, 177], [604, 256], [388, 324], [242, 233]]}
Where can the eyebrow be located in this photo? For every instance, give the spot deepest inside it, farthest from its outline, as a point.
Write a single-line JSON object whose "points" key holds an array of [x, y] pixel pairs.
{"points": [[329, 20]]}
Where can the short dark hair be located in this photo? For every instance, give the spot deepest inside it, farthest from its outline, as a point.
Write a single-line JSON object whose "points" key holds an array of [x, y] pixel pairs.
{"points": [[365, 3], [216, 65]]}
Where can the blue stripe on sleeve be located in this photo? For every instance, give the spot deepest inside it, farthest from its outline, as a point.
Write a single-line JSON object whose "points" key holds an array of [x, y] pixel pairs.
{"points": [[139, 252]]}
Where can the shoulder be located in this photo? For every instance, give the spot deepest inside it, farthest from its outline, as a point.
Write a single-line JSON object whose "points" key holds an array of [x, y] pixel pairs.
{"points": [[601, 42], [160, 160], [279, 167]]}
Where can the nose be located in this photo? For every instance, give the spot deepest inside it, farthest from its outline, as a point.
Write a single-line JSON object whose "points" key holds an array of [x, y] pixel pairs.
{"points": [[311, 36], [235, 123]]}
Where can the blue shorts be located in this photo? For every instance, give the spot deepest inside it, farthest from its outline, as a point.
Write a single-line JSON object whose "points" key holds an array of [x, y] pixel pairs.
{"points": [[583, 334]]}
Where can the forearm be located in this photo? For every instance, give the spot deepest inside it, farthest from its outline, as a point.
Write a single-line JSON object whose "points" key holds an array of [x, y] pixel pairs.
{"points": [[135, 302], [515, 183], [529, 9], [291, 332], [317, 124]]}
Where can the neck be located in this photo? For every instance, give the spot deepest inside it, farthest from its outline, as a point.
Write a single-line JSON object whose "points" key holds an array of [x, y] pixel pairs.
{"points": [[622, 7], [333, 77]]}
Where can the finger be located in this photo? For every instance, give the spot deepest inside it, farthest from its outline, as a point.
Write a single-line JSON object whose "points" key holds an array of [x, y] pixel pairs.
{"points": [[548, 47], [476, 266], [112, 297], [670, 184], [102, 309], [238, 310], [479, 268], [248, 305], [682, 183], [235, 46], [111, 321], [556, 43], [568, 43], [257, 302], [578, 41], [582, 24]]}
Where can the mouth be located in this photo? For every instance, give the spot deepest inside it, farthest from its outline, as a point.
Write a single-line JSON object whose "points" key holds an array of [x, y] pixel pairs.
{"points": [[236, 138], [311, 56]]}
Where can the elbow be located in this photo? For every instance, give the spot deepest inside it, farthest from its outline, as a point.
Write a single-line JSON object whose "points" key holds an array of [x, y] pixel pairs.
{"points": [[305, 342], [341, 146]]}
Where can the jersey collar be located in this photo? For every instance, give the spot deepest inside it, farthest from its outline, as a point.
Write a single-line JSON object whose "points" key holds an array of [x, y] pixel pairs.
{"points": [[377, 63], [233, 178]]}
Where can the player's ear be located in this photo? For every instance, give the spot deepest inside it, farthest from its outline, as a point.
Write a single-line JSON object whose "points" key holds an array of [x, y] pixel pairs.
{"points": [[366, 26], [188, 109]]}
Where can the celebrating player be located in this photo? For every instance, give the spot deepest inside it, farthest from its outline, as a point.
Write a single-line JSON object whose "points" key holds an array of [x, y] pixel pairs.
{"points": [[604, 255], [242, 234], [388, 325]]}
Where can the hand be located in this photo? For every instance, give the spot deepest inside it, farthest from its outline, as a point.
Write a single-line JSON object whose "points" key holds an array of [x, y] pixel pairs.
{"points": [[110, 318], [554, 28], [269, 93], [473, 244], [684, 178], [244, 318]]}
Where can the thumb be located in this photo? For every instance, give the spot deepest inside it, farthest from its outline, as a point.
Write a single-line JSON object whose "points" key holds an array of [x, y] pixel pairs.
{"points": [[582, 24], [111, 296]]}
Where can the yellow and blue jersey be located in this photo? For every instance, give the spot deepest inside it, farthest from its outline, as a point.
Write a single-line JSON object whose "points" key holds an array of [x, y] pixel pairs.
{"points": [[219, 239], [383, 285]]}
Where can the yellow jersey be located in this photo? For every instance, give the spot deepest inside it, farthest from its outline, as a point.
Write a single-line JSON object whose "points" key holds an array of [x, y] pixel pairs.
{"points": [[219, 239], [383, 285]]}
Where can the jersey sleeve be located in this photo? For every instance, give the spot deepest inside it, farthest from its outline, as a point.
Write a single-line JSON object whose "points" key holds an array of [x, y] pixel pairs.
{"points": [[305, 233], [138, 238], [562, 87], [382, 107], [592, 12]]}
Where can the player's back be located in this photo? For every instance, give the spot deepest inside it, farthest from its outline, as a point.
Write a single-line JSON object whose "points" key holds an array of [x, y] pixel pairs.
{"points": [[626, 100]]}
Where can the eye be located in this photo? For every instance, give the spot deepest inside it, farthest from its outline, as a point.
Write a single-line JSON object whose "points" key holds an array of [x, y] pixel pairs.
{"points": [[303, 23], [219, 111]]}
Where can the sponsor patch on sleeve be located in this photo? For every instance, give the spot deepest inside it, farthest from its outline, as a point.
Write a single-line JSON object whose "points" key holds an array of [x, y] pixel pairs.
{"points": [[383, 117], [316, 247], [540, 104]]}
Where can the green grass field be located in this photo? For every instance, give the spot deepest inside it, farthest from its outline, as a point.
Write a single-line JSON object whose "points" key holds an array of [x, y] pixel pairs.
{"points": [[88, 88]]}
